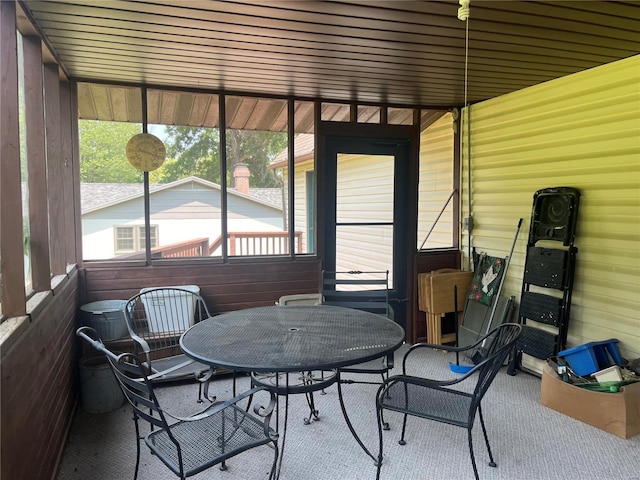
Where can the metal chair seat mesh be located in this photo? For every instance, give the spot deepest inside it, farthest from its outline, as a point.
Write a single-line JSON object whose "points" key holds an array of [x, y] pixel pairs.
{"points": [[213, 439], [438, 404]]}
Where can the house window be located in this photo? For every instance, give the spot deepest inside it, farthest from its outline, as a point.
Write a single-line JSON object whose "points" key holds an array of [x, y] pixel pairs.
{"points": [[131, 238]]}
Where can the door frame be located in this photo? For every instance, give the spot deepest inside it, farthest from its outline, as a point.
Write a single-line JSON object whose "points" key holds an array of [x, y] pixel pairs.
{"points": [[406, 183]]}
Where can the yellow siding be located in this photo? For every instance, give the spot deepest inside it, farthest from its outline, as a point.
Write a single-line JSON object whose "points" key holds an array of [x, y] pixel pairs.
{"points": [[435, 184], [580, 131]]}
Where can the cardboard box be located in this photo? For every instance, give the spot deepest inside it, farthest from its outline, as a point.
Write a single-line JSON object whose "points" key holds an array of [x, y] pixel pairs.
{"points": [[617, 413]]}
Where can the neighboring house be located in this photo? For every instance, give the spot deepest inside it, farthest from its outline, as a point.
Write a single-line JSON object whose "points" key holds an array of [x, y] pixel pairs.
{"points": [[304, 185], [181, 211]]}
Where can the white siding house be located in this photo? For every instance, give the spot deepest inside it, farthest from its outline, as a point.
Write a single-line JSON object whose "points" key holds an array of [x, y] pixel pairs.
{"points": [[183, 210]]}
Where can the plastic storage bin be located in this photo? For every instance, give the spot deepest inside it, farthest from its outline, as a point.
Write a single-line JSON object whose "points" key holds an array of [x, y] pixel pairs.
{"points": [[161, 304], [106, 317], [593, 356]]}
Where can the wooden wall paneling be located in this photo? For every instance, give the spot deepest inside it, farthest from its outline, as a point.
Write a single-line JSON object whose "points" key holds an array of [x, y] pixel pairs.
{"points": [[39, 389], [55, 171], [75, 171], [36, 164], [68, 191], [225, 287], [13, 292]]}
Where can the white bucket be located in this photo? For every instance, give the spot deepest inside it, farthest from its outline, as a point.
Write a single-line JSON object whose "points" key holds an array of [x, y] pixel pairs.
{"points": [[183, 304], [99, 389]]}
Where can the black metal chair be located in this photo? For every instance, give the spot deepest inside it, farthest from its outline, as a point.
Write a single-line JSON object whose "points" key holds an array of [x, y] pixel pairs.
{"points": [[454, 401], [193, 444], [368, 291], [156, 318]]}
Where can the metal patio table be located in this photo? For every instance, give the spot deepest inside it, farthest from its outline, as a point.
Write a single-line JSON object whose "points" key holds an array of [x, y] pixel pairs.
{"points": [[293, 339]]}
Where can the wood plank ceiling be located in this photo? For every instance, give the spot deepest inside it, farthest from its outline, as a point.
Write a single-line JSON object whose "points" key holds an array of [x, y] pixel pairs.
{"points": [[398, 53]]}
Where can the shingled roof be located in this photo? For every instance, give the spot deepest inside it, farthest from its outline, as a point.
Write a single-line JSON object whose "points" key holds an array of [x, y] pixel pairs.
{"points": [[98, 195]]}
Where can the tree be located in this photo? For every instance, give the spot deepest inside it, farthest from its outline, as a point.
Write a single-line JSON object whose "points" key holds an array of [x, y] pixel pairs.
{"points": [[192, 152], [102, 152], [197, 152], [256, 149]]}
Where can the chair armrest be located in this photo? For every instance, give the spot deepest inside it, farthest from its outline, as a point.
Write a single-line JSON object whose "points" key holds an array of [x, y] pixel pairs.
{"points": [[140, 341], [166, 371], [217, 407], [426, 382], [440, 347], [417, 346]]}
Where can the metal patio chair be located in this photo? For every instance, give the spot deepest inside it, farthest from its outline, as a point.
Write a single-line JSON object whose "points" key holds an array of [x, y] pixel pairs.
{"points": [[368, 291], [447, 401], [156, 318], [193, 444]]}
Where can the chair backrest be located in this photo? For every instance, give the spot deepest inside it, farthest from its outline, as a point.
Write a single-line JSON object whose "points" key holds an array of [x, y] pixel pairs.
{"points": [[132, 379], [367, 291], [495, 347], [138, 390], [156, 317], [300, 299]]}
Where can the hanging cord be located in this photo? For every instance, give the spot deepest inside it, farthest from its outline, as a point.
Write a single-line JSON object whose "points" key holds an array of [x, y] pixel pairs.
{"points": [[463, 14]]}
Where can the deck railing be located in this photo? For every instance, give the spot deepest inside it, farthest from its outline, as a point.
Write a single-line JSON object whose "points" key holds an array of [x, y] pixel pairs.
{"points": [[240, 243], [262, 243]]}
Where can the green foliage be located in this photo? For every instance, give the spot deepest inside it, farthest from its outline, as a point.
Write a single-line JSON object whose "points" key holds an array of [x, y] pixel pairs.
{"points": [[194, 152], [257, 150], [102, 152], [191, 151], [197, 152]]}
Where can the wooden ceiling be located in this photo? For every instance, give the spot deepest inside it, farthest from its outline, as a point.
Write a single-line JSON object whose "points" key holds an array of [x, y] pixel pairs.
{"points": [[402, 53]]}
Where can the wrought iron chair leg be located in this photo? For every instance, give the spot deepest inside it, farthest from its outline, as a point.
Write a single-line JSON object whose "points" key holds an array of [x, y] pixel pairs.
{"points": [[404, 428], [348, 421], [272, 473], [380, 439], [385, 425], [135, 475], [492, 463], [284, 432], [473, 457]]}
